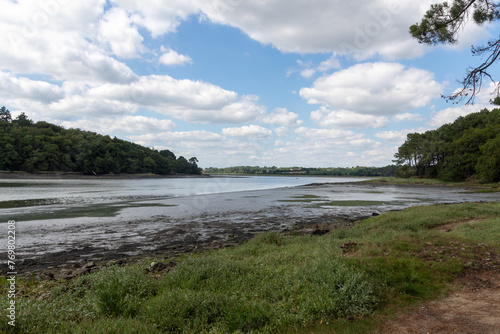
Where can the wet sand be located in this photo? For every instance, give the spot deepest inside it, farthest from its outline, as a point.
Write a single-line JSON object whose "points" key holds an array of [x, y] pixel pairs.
{"points": [[168, 227]]}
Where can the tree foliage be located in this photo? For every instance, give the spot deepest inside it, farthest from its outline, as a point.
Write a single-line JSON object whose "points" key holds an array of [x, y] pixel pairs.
{"points": [[467, 148], [442, 24], [42, 147], [332, 171]]}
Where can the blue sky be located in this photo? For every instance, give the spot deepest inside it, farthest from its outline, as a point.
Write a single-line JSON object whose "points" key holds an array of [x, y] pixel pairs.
{"points": [[313, 83]]}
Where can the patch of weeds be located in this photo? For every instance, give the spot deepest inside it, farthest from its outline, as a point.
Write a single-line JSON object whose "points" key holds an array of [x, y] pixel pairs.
{"points": [[304, 199], [121, 291], [354, 203]]}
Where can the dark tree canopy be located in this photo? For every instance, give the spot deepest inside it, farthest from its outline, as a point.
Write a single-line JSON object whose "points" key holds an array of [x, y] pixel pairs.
{"points": [[5, 115], [442, 24], [44, 147], [465, 149]]}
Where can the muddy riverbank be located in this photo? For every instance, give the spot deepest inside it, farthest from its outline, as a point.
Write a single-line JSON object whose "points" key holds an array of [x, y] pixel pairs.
{"points": [[166, 227]]}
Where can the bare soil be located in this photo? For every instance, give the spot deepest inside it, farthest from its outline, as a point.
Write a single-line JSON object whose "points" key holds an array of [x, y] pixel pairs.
{"points": [[473, 308]]}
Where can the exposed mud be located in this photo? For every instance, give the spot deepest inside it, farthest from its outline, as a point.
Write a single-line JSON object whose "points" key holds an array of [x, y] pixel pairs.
{"points": [[165, 228]]}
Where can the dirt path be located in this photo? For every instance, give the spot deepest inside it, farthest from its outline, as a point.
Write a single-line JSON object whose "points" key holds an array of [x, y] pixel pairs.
{"points": [[470, 310], [473, 309]]}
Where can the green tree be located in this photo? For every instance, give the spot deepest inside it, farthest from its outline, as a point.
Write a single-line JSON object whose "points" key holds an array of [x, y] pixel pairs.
{"points": [[456, 151], [488, 166], [22, 120], [5, 115], [442, 24]]}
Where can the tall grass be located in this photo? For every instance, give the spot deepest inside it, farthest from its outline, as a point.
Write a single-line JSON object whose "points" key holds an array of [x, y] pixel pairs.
{"points": [[275, 283]]}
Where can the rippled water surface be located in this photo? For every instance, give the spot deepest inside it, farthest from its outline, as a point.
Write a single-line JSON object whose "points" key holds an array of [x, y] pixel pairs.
{"points": [[21, 198]]}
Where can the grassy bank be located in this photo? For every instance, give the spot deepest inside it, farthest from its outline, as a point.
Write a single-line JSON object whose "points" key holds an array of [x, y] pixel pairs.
{"points": [[346, 281], [433, 182]]}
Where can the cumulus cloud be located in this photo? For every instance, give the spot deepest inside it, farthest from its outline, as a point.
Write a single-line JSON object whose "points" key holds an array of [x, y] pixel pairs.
{"points": [[248, 131], [408, 117], [327, 26], [396, 137], [329, 147], [197, 136], [59, 40], [170, 57], [193, 101], [449, 115], [159, 17], [323, 134], [346, 119], [282, 117], [374, 89], [23, 88], [117, 31], [122, 125]]}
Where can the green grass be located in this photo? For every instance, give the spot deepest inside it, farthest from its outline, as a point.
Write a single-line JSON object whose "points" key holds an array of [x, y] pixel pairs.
{"points": [[355, 203], [304, 199], [276, 283], [482, 187]]}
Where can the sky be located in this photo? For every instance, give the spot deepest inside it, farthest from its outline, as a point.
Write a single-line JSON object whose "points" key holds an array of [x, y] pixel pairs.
{"points": [[311, 83]]}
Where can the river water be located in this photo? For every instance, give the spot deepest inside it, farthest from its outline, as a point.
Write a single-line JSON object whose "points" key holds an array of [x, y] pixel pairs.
{"points": [[35, 199]]}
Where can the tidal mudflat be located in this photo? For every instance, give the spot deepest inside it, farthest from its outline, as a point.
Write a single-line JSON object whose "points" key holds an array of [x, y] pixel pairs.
{"points": [[58, 234]]}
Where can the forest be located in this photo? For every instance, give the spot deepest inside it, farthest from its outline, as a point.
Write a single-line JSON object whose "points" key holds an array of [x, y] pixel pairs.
{"points": [[332, 171], [45, 147], [467, 149]]}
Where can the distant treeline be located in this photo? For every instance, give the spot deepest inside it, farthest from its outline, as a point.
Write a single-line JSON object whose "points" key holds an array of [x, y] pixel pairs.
{"points": [[337, 171], [467, 149], [42, 147]]}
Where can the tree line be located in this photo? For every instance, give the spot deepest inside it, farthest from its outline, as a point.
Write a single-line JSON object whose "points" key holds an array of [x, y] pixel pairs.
{"points": [[44, 147], [467, 149], [332, 171]]}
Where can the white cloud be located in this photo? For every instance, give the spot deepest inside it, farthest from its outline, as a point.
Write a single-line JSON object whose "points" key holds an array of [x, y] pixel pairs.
{"points": [[159, 17], [396, 137], [346, 119], [122, 125], [323, 134], [193, 101], [327, 26], [331, 63], [248, 131], [24, 88], [407, 117], [283, 117], [117, 31], [449, 115], [374, 88], [170, 57], [308, 73], [59, 40], [327, 148], [197, 136]]}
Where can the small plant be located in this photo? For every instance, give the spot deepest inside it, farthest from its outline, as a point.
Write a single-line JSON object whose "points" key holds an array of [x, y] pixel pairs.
{"points": [[120, 291]]}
